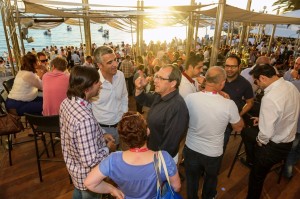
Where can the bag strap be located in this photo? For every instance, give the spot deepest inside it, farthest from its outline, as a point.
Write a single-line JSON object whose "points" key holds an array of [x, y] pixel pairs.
{"points": [[157, 165], [158, 162], [162, 160]]}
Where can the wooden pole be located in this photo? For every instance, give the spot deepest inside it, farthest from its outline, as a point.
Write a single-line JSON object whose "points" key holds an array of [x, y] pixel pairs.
{"points": [[138, 29], [7, 39], [141, 29], [242, 38], [273, 32], [87, 28], [19, 27], [197, 27], [13, 36], [190, 32], [217, 35]]}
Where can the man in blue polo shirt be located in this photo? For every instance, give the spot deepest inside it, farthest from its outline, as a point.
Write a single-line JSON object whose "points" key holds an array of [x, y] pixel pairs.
{"points": [[238, 88]]}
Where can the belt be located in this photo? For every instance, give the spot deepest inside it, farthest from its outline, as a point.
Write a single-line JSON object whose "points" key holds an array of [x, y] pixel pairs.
{"points": [[110, 126]]}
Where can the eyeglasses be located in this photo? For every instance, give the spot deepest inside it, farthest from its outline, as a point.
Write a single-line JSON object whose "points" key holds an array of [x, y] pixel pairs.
{"points": [[231, 66], [45, 60], [159, 78]]}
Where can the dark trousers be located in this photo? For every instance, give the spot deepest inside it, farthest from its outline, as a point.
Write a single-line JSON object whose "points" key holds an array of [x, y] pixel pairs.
{"points": [[249, 135], [34, 107], [197, 164], [129, 82], [266, 157]]}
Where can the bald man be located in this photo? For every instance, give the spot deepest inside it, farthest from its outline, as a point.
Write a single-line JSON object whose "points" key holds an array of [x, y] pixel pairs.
{"points": [[209, 117], [247, 76]]}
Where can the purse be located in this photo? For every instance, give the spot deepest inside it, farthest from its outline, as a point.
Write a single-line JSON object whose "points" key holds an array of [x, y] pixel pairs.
{"points": [[164, 189], [9, 123]]}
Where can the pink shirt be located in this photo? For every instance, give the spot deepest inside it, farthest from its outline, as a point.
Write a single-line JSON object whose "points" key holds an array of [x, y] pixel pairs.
{"points": [[55, 86]]}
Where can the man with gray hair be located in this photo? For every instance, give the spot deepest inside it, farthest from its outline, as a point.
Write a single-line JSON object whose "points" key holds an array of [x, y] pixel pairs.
{"points": [[205, 137], [168, 115], [112, 101]]}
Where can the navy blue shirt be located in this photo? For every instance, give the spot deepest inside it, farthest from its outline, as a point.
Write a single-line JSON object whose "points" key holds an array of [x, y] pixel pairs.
{"points": [[168, 119], [239, 90]]}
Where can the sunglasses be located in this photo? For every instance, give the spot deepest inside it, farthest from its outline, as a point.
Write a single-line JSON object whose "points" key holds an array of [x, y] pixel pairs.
{"points": [[45, 60]]}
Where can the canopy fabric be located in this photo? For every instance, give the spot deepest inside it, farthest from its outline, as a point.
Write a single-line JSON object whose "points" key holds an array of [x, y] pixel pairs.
{"points": [[39, 9], [181, 8], [279, 32], [232, 13], [126, 20]]}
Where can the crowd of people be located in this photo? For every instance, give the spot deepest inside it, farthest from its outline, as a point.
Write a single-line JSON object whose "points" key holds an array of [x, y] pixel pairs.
{"points": [[189, 102]]}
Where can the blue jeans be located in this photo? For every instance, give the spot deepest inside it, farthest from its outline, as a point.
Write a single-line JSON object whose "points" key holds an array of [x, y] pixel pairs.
{"points": [[114, 132], [197, 164], [34, 107], [85, 194], [293, 157]]}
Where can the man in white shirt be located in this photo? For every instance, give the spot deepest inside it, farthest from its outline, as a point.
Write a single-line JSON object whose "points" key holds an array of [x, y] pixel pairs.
{"points": [[277, 124], [190, 78], [209, 113], [88, 62], [112, 101]]}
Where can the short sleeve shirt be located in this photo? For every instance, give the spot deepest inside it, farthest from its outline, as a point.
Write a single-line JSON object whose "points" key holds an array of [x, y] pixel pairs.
{"points": [[135, 181]]}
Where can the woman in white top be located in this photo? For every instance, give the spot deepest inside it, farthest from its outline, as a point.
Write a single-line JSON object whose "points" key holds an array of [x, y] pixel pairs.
{"points": [[24, 94]]}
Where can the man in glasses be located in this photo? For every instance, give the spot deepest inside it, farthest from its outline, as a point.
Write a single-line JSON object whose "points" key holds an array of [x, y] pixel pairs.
{"points": [[43, 65], [238, 89], [277, 124], [168, 116]]}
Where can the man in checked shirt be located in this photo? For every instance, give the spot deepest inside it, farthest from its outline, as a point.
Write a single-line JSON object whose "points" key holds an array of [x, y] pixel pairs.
{"points": [[83, 143]]}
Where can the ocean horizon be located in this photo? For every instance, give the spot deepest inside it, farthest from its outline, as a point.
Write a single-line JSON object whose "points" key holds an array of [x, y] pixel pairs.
{"points": [[61, 37]]}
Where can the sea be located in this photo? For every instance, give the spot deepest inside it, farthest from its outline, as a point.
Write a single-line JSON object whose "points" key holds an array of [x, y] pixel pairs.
{"points": [[61, 37]]}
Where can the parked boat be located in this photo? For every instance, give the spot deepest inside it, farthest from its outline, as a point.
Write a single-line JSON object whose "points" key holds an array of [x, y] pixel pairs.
{"points": [[69, 28], [105, 33], [47, 32], [100, 29]]}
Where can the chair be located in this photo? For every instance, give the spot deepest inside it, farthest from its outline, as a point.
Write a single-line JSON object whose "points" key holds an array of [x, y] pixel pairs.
{"points": [[42, 125], [274, 168], [9, 134], [8, 84]]}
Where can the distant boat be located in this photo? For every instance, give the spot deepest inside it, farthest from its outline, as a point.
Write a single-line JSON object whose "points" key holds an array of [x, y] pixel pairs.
{"points": [[105, 33], [47, 32], [69, 28], [100, 29]]}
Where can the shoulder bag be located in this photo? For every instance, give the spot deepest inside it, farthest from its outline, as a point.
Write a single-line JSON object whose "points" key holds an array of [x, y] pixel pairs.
{"points": [[164, 189], [9, 123]]}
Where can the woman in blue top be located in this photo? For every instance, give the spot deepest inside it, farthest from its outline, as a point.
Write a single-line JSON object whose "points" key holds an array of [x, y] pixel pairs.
{"points": [[131, 169]]}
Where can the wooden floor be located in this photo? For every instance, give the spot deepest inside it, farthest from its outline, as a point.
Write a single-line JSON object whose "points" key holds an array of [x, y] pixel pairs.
{"points": [[21, 179]]}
